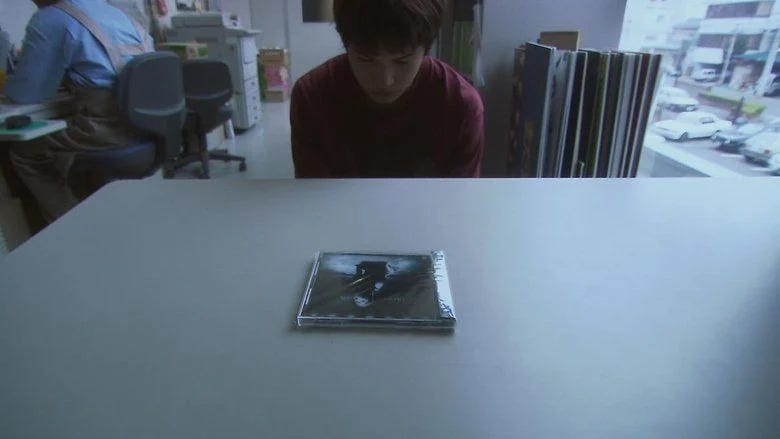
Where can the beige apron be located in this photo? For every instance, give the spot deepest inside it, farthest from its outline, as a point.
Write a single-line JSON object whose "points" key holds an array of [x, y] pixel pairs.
{"points": [[43, 164], [96, 123]]}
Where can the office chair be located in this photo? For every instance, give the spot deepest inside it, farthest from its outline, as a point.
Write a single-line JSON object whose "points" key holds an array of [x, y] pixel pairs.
{"points": [[150, 97], [208, 90]]}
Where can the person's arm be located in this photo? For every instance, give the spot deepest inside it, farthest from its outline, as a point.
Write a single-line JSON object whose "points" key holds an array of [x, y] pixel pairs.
{"points": [[306, 150], [470, 144], [42, 65]]}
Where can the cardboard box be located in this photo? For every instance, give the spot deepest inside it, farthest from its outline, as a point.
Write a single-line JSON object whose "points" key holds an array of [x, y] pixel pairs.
{"points": [[279, 95], [186, 50], [274, 56], [276, 76], [564, 40]]}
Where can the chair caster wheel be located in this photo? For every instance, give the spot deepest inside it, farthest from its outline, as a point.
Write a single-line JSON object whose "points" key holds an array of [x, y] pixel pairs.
{"points": [[242, 167]]}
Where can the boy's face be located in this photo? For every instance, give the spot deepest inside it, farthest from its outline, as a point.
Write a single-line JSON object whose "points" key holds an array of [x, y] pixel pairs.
{"points": [[385, 76]]}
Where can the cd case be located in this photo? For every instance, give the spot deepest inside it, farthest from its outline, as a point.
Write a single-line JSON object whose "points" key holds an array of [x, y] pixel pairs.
{"points": [[374, 290]]}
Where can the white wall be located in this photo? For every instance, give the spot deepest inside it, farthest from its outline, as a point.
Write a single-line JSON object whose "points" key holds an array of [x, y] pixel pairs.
{"points": [[282, 25], [14, 15], [509, 23], [270, 16], [311, 44]]}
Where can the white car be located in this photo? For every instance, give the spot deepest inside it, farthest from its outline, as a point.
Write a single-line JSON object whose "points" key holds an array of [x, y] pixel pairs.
{"points": [[691, 125], [705, 75], [676, 99], [774, 86], [653, 140], [764, 148]]}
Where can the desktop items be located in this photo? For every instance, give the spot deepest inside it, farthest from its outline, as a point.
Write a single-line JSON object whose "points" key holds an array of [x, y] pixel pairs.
{"points": [[23, 128], [17, 122], [274, 74], [372, 290]]}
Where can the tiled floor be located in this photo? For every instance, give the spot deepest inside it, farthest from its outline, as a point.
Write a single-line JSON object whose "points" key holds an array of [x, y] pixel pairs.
{"points": [[265, 146]]}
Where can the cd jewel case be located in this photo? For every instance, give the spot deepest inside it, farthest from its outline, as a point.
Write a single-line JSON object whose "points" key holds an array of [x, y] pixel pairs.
{"points": [[374, 290]]}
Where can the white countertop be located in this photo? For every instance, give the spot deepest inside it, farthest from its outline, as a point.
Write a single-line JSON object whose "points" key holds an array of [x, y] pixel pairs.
{"points": [[586, 309]]}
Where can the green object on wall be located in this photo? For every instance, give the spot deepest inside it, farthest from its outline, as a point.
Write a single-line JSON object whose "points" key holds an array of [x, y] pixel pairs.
{"points": [[750, 109], [462, 49], [263, 81]]}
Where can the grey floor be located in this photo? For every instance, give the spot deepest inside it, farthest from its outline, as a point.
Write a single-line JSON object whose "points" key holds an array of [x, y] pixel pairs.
{"points": [[266, 148]]}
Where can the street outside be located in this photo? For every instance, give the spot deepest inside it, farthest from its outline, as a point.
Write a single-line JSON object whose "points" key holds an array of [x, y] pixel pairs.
{"points": [[707, 149]]}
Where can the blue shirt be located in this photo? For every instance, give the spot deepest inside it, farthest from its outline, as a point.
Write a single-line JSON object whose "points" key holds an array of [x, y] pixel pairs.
{"points": [[56, 45]]}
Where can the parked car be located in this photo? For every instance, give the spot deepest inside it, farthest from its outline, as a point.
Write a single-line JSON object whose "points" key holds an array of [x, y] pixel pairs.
{"points": [[734, 138], [653, 140], [671, 71], [705, 75], [676, 99], [774, 86], [691, 125], [764, 149]]}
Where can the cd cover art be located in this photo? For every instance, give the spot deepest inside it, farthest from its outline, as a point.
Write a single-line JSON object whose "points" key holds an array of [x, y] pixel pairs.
{"points": [[378, 290]]}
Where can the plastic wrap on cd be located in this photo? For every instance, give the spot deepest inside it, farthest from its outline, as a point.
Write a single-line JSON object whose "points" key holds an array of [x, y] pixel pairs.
{"points": [[375, 290]]}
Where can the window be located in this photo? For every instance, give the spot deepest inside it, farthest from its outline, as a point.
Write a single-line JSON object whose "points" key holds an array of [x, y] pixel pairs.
{"points": [[740, 10], [764, 9], [317, 11], [718, 41], [752, 42], [743, 43], [727, 84], [189, 5]]}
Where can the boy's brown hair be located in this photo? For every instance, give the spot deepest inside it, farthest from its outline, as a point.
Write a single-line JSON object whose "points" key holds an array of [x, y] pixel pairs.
{"points": [[391, 25]]}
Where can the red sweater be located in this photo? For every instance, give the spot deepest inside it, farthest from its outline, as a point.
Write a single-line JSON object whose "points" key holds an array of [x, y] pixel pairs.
{"points": [[434, 130]]}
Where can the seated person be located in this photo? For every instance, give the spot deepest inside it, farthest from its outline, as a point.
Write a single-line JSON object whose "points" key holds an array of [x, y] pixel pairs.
{"points": [[86, 43], [385, 108]]}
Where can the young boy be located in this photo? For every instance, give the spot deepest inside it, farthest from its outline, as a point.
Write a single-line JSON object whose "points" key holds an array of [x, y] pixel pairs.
{"points": [[386, 109]]}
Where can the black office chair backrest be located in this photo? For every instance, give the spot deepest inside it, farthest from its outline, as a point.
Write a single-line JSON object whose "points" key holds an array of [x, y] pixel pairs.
{"points": [[150, 95], [207, 88]]}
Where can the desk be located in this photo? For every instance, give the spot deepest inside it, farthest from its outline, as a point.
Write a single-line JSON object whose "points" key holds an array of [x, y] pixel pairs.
{"points": [[61, 105], [587, 309]]}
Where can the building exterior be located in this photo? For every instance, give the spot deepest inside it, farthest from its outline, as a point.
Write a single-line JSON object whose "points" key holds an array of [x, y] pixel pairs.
{"points": [[676, 44], [647, 23], [685, 34], [739, 39], [655, 26]]}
